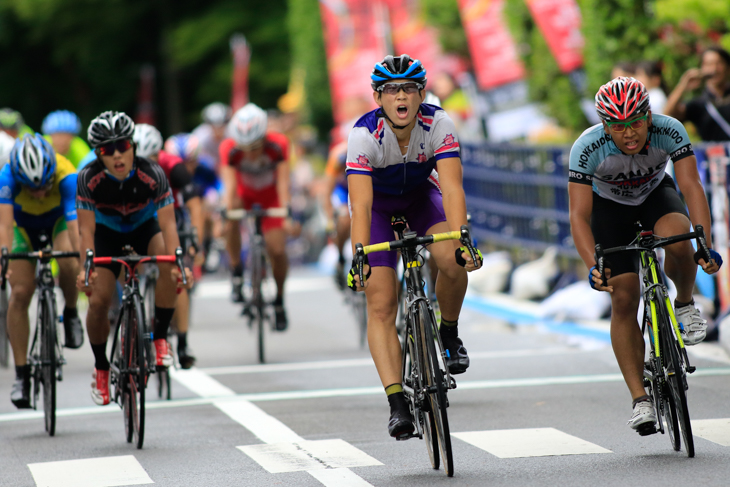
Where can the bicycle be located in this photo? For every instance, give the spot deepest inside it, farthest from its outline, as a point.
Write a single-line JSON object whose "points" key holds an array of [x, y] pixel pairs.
{"points": [[665, 372], [4, 338], [131, 352], [426, 379], [255, 307], [46, 357]]}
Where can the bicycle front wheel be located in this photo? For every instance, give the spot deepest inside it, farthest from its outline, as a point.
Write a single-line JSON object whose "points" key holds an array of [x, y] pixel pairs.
{"points": [[135, 362], [677, 390], [436, 386], [257, 298], [4, 341], [48, 362]]}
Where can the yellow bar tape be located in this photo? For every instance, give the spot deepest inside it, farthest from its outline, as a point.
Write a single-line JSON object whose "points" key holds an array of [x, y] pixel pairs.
{"points": [[440, 237], [379, 247]]}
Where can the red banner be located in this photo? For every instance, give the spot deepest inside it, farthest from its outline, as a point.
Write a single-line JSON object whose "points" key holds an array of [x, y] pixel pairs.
{"points": [[354, 42], [241, 58], [493, 51], [146, 95], [559, 22]]}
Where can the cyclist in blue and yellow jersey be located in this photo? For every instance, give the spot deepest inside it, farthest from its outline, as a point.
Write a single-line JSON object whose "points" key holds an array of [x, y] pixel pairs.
{"points": [[61, 128], [617, 177], [11, 122], [37, 202], [392, 156], [123, 199]]}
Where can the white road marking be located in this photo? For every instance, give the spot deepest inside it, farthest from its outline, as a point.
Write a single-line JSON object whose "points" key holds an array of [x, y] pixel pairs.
{"points": [[531, 442], [368, 362], [347, 392], [267, 428], [222, 289], [714, 430], [709, 351], [338, 477], [200, 383], [308, 455], [90, 472]]}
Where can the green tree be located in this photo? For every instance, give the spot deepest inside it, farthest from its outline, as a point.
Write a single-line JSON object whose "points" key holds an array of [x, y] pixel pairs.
{"points": [[445, 16]]}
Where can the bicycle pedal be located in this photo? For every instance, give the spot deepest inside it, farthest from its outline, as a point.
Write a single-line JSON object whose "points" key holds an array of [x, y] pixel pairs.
{"points": [[405, 436], [647, 429], [452, 385], [691, 369]]}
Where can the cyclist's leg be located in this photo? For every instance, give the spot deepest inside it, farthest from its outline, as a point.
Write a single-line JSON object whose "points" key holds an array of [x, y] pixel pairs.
{"points": [[22, 285], [165, 297], [182, 319], [275, 239], [68, 269], [97, 327]]}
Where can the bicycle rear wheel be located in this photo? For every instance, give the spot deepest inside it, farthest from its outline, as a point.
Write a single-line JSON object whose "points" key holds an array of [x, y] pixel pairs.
{"points": [[48, 362], [436, 386], [677, 392], [4, 341]]}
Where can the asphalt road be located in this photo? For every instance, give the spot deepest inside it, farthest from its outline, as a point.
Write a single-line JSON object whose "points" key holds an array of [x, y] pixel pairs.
{"points": [[536, 408]]}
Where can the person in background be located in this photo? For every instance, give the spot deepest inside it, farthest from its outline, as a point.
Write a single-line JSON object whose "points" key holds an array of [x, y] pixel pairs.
{"points": [[649, 73], [709, 112], [6, 145], [11, 122], [61, 128], [211, 133], [623, 68]]}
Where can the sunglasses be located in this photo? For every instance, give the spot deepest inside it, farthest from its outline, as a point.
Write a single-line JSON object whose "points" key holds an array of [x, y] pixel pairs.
{"points": [[120, 145], [619, 127], [394, 88]]}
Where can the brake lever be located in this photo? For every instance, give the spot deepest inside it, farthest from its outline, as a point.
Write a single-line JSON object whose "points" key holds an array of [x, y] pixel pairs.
{"points": [[179, 262], [4, 268], [359, 255], [600, 264], [465, 240], [88, 265], [701, 244]]}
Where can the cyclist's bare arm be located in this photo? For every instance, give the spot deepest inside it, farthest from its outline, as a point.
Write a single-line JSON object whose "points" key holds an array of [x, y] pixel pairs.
{"points": [[73, 234], [581, 208], [86, 221], [688, 179], [6, 226], [282, 183], [329, 187], [361, 203], [195, 208], [452, 191], [228, 176]]}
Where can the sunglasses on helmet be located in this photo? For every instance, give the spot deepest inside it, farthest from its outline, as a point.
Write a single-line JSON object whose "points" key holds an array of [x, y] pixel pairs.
{"points": [[394, 88], [619, 127], [120, 145]]}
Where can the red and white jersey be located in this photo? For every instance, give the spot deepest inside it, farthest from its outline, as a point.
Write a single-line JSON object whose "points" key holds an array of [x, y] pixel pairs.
{"points": [[259, 173]]}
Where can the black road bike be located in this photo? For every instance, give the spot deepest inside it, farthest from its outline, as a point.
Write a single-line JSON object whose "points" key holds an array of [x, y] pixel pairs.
{"points": [[665, 372], [426, 379]]}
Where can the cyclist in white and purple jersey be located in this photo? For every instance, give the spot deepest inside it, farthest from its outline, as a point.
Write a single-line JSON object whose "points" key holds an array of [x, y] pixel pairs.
{"points": [[392, 156], [617, 177]]}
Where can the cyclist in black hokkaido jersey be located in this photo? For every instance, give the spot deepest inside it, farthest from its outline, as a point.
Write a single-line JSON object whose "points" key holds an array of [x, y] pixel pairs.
{"points": [[117, 198]]}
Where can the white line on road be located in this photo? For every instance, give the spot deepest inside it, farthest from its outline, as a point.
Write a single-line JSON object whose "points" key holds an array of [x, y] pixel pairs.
{"points": [[349, 392], [529, 442], [714, 430], [368, 362], [90, 472]]}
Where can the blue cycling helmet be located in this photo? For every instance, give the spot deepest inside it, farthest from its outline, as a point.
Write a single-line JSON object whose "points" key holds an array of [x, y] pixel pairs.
{"points": [[184, 146], [33, 161], [61, 121], [398, 67]]}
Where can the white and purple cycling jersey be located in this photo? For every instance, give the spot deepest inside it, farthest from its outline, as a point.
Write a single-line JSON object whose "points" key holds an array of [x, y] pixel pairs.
{"points": [[372, 149]]}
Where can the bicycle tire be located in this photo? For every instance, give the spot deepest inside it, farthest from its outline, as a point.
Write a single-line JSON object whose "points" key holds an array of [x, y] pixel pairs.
{"points": [[668, 406], [138, 380], [48, 362], [425, 417], [361, 313], [257, 297], [4, 340], [676, 383], [436, 387], [126, 345], [149, 300]]}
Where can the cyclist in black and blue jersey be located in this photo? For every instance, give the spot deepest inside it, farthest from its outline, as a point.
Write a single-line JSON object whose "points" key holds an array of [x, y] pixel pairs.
{"points": [[617, 177], [117, 197]]}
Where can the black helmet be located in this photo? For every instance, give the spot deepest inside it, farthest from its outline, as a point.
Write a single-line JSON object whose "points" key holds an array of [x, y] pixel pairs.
{"points": [[109, 127], [399, 67]]}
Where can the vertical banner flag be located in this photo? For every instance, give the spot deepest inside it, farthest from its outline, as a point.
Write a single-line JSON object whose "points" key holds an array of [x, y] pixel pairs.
{"points": [[354, 42], [146, 95], [559, 22], [241, 58], [719, 162], [492, 49]]}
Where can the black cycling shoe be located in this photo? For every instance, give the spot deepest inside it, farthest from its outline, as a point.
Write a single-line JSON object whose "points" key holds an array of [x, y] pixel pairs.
{"points": [[456, 358], [400, 424], [185, 358], [74, 332], [340, 276], [237, 289], [20, 394], [280, 322]]}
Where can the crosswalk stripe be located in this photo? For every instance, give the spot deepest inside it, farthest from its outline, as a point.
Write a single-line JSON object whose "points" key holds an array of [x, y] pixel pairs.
{"points": [[530, 442], [714, 430], [90, 472], [308, 455]]}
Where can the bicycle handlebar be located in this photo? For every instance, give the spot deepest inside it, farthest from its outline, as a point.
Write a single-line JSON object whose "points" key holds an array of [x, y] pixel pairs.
{"points": [[41, 255], [132, 261], [644, 244], [412, 240]]}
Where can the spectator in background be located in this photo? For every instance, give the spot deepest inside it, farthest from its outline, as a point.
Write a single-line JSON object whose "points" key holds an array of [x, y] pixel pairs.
{"points": [[11, 122], [623, 68], [453, 100], [650, 75], [709, 112], [61, 128]]}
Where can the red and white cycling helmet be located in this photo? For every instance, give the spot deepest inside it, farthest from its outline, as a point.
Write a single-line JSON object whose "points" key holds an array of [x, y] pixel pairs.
{"points": [[148, 140], [248, 125], [621, 98]]}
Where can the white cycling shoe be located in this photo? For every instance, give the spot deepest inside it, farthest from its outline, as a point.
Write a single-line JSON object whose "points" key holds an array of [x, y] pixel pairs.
{"points": [[644, 415], [694, 328]]}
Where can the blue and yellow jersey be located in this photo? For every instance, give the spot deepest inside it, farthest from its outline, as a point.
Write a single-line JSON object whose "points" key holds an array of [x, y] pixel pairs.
{"points": [[35, 213]]}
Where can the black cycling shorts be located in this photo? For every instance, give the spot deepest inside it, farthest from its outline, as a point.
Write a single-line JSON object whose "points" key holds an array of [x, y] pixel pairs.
{"points": [[110, 243], [613, 223]]}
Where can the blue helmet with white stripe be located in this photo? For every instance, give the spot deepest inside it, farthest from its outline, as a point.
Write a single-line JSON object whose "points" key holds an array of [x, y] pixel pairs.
{"points": [[396, 68], [33, 161], [61, 121], [185, 146]]}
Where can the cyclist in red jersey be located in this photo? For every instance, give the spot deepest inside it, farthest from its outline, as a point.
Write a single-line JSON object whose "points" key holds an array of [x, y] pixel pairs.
{"points": [[254, 170], [149, 144]]}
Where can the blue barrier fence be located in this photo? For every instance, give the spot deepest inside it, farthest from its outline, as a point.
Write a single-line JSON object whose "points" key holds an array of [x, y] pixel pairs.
{"points": [[518, 195]]}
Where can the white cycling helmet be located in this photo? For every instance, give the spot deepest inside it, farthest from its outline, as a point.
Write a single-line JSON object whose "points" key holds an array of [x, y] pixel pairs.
{"points": [[432, 99], [248, 125], [216, 113], [6, 145], [148, 139]]}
